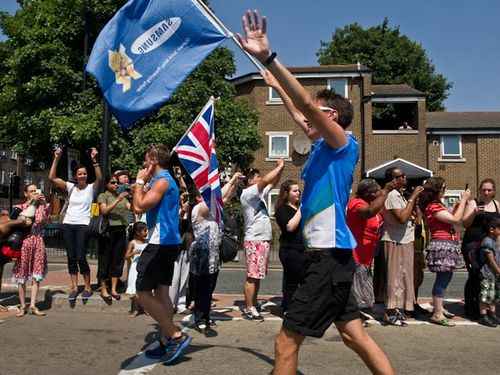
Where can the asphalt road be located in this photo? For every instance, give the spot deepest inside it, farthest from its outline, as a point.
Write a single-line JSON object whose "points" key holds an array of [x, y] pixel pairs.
{"points": [[106, 343]]}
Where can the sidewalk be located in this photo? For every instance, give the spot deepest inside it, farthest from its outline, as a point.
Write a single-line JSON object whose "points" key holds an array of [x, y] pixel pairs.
{"points": [[53, 295]]}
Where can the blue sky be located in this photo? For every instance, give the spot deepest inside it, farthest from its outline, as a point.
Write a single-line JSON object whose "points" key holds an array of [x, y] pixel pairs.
{"points": [[460, 37]]}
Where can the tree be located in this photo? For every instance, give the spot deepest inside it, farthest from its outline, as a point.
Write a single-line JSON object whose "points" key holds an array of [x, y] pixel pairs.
{"points": [[43, 99], [393, 58]]}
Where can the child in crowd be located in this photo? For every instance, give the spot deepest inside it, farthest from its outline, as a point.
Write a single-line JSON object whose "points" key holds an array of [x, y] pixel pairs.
{"points": [[138, 236], [489, 258]]}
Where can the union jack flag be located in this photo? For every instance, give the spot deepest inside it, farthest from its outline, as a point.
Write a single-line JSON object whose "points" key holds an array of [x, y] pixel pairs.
{"points": [[196, 151]]}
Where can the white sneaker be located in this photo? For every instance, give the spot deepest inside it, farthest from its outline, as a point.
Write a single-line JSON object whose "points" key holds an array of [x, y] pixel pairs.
{"points": [[252, 314]]}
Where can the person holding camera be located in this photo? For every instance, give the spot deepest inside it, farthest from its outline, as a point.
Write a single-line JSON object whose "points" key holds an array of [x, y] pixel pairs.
{"points": [[77, 218], [112, 247], [477, 212], [32, 264]]}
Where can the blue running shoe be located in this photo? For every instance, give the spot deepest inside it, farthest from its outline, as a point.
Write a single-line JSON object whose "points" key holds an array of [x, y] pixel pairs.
{"points": [[176, 347]]}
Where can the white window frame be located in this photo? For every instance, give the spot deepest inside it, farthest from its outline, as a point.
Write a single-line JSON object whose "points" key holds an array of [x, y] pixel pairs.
{"points": [[13, 155], [270, 207], [451, 197], [345, 93], [272, 135], [28, 180], [273, 97], [451, 157], [2, 178], [41, 184]]}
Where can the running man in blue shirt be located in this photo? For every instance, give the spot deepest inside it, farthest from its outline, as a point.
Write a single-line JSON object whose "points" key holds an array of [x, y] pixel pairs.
{"points": [[156, 264], [324, 294]]}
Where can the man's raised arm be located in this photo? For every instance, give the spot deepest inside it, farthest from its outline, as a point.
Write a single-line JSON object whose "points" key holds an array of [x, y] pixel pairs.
{"points": [[257, 45]]}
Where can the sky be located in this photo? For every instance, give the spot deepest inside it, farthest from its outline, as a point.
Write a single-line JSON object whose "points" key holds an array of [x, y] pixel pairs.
{"points": [[460, 37]]}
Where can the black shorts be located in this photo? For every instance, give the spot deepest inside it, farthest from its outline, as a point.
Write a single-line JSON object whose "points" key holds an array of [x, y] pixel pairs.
{"points": [[324, 294], [156, 266]]}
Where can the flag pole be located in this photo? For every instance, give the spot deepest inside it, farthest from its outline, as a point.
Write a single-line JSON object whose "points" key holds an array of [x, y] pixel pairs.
{"points": [[212, 99], [230, 34]]}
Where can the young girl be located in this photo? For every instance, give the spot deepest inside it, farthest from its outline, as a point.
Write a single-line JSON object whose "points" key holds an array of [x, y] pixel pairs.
{"points": [[137, 244], [489, 275]]}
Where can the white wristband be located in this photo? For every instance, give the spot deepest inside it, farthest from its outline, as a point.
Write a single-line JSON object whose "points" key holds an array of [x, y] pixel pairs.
{"points": [[140, 181]]}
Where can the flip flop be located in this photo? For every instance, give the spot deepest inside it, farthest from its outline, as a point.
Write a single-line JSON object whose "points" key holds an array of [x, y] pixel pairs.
{"points": [[445, 322]]}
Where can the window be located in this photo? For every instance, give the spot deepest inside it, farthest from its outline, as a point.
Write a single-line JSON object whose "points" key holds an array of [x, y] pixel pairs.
{"points": [[278, 144], [274, 96], [2, 178], [451, 147], [29, 162], [339, 85], [13, 155], [41, 184], [28, 180], [272, 197], [451, 198]]}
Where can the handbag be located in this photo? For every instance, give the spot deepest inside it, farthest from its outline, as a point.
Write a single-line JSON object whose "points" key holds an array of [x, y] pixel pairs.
{"points": [[228, 248], [99, 224]]}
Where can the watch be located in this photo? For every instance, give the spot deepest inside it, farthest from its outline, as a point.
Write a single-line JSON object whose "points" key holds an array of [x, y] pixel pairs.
{"points": [[140, 181]]}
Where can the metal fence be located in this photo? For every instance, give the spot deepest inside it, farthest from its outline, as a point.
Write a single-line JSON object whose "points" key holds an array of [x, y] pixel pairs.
{"points": [[54, 245]]}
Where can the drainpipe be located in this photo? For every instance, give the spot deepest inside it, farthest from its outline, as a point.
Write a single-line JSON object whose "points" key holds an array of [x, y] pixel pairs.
{"points": [[362, 111]]}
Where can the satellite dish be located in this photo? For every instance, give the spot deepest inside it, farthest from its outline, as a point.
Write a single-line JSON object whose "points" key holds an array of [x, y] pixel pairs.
{"points": [[301, 145]]}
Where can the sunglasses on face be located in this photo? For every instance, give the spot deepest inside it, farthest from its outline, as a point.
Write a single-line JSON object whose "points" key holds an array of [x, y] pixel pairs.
{"points": [[401, 175], [114, 183], [325, 109]]}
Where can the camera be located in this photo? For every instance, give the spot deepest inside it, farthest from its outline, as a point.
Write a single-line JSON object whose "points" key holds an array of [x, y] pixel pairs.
{"points": [[122, 188], [185, 198]]}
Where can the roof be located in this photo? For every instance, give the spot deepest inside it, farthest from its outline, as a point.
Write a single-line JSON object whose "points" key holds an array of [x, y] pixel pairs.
{"points": [[345, 70], [395, 90], [462, 120], [409, 169]]}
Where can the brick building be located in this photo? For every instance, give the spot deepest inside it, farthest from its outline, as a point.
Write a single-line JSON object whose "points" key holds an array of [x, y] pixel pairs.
{"points": [[11, 163], [461, 147]]}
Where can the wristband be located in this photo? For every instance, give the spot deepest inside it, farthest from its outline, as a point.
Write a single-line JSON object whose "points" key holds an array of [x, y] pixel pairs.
{"points": [[410, 200], [95, 164], [140, 181], [269, 59]]}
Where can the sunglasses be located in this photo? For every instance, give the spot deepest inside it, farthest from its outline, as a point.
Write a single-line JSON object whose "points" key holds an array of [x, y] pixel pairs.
{"points": [[114, 183], [401, 175], [325, 109], [152, 147]]}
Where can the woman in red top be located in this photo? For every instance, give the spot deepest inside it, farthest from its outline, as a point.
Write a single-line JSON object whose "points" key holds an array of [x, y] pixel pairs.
{"points": [[364, 221], [443, 251]]}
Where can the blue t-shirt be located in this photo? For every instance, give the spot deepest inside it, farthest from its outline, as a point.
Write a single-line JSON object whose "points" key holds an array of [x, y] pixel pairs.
{"points": [[163, 219], [328, 177]]}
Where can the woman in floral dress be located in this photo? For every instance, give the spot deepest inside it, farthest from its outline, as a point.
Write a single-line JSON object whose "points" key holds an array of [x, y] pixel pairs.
{"points": [[32, 264]]}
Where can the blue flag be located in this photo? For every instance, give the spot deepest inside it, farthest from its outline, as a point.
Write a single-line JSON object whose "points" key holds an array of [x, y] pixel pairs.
{"points": [[147, 50]]}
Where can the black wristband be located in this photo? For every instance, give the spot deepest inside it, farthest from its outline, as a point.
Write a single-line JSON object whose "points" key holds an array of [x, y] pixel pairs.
{"points": [[270, 59]]}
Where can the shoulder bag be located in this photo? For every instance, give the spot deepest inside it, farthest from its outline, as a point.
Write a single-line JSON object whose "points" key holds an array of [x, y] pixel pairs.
{"points": [[98, 226]]}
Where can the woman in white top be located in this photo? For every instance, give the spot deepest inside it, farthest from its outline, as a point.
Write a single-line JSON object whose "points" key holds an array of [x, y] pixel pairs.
{"points": [[77, 218]]}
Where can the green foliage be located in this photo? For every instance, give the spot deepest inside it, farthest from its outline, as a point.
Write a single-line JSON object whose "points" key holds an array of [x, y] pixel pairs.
{"points": [[43, 99], [393, 58]]}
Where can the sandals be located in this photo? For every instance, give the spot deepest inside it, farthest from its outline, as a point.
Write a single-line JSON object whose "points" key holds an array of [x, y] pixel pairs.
{"points": [[21, 311], [3, 308], [36, 312], [445, 322]]}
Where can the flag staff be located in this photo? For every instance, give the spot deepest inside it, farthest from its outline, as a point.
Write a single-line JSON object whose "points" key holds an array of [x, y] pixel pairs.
{"points": [[229, 34]]}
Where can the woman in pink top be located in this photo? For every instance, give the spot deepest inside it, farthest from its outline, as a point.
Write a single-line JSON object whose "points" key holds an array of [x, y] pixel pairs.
{"points": [[443, 251]]}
